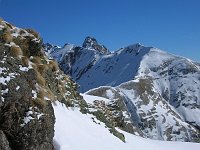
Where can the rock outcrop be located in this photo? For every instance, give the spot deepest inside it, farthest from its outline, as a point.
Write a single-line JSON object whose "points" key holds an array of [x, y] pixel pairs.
{"points": [[29, 84]]}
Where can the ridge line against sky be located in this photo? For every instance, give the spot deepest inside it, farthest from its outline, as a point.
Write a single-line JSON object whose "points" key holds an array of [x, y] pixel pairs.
{"points": [[170, 25]]}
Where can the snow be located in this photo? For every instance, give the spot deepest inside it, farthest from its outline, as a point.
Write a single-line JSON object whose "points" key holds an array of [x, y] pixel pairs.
{"points": [[77, 131], [67, 93], [11, 44], [46, 98], [17, 88], [39, 115], [190, 114], [7, 77], [110, 94], [2, 69], [25, 69], [1, 27], [59, 53], [4, 80], [4, 91], [16, 32], [34, 93], [28, 117]]}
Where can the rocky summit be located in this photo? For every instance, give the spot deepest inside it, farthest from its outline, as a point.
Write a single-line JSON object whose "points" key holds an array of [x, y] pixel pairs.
{"points": [[91, 43]]}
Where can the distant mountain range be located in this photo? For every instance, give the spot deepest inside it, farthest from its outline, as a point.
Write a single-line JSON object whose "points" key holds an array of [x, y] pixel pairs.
{"points": [[157, 92]]}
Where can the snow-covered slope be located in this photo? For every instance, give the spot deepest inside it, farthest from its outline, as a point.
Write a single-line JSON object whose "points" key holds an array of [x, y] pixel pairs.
{"points": [[159, 91], [75, 131]]}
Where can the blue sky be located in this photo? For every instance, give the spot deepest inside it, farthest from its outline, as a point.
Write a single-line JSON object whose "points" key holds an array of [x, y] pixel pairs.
{"points": [[171, 25]]}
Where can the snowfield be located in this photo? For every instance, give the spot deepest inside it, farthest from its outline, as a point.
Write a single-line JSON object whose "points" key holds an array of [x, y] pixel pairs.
{"points": [[77, 131]]}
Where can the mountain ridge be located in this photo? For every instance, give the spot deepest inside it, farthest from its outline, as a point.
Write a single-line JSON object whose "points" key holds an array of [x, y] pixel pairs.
{"points": [[147, 81]]}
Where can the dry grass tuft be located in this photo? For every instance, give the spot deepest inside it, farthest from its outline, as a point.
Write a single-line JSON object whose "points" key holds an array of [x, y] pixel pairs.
{"points": [[41, 103], [34, 66], [6, 37], [36, 60], [15, 51], [41, 94], [50, 95], [32, 31], [41, 68], [66, 78], [25, 61], [41, 81], [53, 66], [23, 43]]}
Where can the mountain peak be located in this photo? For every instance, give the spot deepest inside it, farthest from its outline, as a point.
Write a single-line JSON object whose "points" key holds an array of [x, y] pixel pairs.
{"points": [[91, 42]]}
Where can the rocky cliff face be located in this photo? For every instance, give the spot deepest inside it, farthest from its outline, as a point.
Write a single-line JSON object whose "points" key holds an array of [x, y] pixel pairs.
{"points": [[29, 84], [91, 43], [158, 91]]}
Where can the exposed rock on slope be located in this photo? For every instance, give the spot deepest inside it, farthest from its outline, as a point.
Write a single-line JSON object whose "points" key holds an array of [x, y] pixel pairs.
{"points": [[29, 83]]}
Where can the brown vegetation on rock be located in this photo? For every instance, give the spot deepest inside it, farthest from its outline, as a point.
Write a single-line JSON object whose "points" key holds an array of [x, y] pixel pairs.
{"points": [[53, 66], [15, 51], [41, 68], [40, 79], [25, 61], [6, 37], [33, 32], [36, 60]]}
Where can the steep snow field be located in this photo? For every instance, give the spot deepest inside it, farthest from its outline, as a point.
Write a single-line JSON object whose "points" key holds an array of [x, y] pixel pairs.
{"points": [[77, 131]]}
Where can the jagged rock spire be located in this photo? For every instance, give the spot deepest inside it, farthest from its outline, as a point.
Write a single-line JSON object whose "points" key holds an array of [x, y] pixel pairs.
{"points": [[91, 42]]}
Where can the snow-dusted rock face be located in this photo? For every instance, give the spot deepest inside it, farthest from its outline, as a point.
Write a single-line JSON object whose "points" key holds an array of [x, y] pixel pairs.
{"points": [[91, 69], [160, 91], [29, 83], [91, 43]]}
